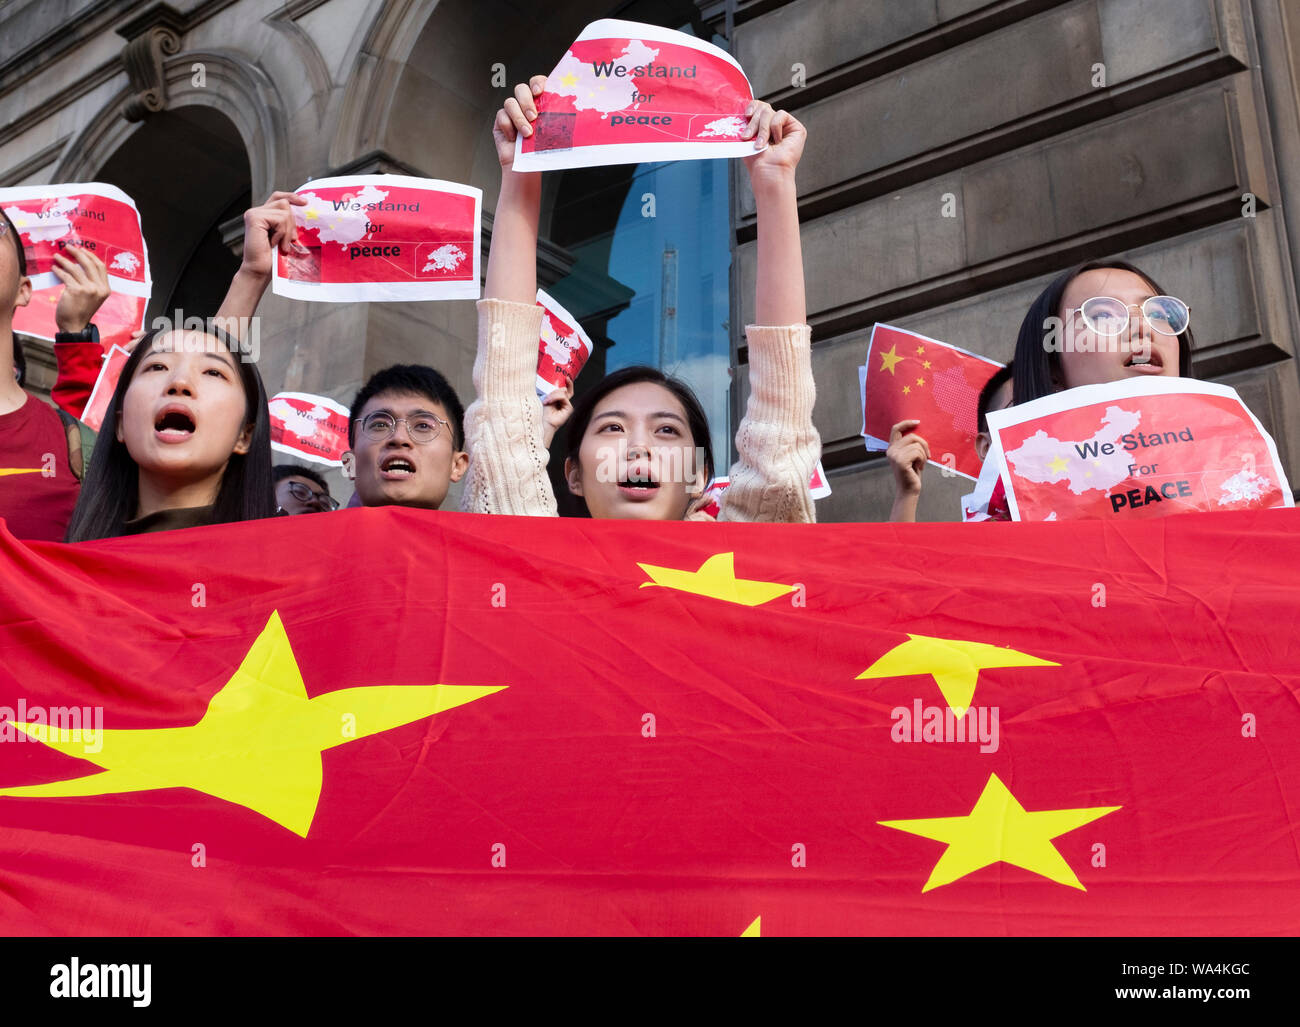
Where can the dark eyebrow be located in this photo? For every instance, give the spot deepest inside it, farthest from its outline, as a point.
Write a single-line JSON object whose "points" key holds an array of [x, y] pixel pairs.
{"points": [[221, 357], [657, 413]]}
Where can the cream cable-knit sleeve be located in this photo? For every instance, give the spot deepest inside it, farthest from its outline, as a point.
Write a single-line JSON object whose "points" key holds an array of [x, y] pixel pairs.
{"points": [[777, 445], [503, 426]]}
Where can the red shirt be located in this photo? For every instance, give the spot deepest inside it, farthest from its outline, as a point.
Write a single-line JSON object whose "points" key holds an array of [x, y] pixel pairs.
{"points": [[37, 487]]}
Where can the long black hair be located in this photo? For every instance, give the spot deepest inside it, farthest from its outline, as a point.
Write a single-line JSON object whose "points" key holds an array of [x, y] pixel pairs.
{"points": [[110, 490], [585, 405], [1038, 364]]}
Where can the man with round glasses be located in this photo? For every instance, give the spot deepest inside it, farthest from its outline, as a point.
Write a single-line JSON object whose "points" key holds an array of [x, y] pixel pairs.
{"points": [[406, 438], [300, 490]]}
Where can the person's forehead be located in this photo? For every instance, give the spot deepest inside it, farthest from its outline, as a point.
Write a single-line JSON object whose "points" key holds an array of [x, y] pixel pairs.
{"points": [[1107, 281], [641, 398], [401, 404], [191, 343]]}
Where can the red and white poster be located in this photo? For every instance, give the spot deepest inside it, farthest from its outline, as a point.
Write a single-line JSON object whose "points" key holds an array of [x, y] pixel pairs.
{"points": [[817, 485], [94, 216], [373, 238], [102, 394], [309, 427], [911, 376], [626, 93], [564, 347], [1144, 447]]}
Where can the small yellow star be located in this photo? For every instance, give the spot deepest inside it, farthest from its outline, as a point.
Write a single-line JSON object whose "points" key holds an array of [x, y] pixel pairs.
{"points": [[907, 390], [1000, 830], [888, 360], [920, 350], [920, 381], [311, 215], [925, 364], [569, 79]]}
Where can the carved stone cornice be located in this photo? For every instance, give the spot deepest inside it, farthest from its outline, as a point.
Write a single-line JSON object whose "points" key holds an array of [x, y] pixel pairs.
{"points": [[152, 36]]}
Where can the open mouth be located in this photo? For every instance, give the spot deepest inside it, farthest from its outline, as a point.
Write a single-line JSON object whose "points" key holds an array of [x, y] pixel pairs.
{"points": [[1146, 363], [174, 423], [397, 468]]}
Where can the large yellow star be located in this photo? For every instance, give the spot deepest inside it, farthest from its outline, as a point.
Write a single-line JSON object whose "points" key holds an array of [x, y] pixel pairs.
{"points": [[717, 579], [954, 664], [888, 360], [1000, 830], [258, 745], [1057, 464], [569, 79]]}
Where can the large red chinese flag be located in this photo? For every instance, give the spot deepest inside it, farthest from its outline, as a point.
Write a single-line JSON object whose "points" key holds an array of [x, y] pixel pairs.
{"points": [[402, 722]]}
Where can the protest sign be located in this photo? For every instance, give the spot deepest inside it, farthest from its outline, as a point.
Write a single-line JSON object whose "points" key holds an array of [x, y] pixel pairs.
{"points": [[97, 406], [309, 427], [371, 238], [626, 93], [1142, 447], [564, 347], [94, 216], [911, 376]]}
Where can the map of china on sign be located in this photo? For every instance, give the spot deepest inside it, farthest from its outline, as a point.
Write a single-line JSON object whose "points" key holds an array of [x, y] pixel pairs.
{"points": [[344, 227], [1080, 464], [51, 224], [605, 93]]}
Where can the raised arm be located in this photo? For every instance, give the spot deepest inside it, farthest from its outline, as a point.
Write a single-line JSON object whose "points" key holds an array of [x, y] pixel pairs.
{"points": [[778, 446], [267, 229], [504, 424]]}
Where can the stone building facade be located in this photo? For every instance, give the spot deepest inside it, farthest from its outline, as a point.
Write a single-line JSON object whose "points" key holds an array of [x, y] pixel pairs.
{"points": [[1166, 131]]}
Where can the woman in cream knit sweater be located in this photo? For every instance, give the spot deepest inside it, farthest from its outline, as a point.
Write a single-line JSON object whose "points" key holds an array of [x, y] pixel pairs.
{"points": [[636, 451]]}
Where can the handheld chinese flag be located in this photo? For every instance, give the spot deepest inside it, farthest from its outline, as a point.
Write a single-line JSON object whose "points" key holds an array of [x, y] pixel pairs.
{"points": [[391, 721], [909, 376]]}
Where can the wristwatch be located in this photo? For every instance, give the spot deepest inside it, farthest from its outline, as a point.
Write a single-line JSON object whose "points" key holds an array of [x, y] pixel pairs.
{"points": [[88, 334]]}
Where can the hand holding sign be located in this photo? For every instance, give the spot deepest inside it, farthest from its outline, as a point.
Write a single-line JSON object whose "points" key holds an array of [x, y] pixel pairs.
{"points": [[515, 119], [269, 229], [85, 288]]}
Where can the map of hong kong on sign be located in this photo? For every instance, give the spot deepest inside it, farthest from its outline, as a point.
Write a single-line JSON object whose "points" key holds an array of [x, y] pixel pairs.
{"points": [[626, 93], [93, 216], [1143, 447], [313, 428], [383, 237]]}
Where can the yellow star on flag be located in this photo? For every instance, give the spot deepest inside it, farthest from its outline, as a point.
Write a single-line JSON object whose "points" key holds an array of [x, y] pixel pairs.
{"points": [[258, 745], [1000, 830], [925, 364], [311, 215], [889, 359], [717, 579], [754, 930], [920, 350], [569, 79], [920, 381], [907, 390], [1057, 465], [953, 663]]}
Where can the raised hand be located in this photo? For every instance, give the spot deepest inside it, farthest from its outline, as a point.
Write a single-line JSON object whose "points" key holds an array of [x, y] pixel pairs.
{"points": [[784, 137], [515, 118], [85, 287], [268, 228]]}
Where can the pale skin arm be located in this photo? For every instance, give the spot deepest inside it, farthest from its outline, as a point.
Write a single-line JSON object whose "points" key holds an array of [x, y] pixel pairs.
{"points": [[267, 228], [512, 257], [779, 290]]}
